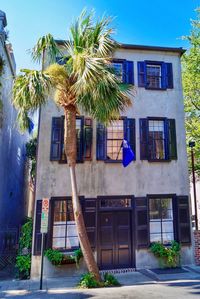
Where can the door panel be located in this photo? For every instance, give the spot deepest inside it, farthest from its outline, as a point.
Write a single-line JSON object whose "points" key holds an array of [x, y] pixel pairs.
{"points": [[115, 244]]}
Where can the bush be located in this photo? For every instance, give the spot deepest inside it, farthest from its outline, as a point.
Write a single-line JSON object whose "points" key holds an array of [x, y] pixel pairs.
{"points": [[54, 256], [110, 280], [169, 256], [23, 263], [88, 281], [23, 259]]}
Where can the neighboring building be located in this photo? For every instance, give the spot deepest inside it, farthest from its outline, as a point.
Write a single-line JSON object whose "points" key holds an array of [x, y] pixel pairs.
{"points": [[124, 208], [12, 154]]}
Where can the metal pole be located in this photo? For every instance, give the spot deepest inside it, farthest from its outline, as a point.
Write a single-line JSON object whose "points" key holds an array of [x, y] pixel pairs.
{"points": [[42, 260], [194, 189]]}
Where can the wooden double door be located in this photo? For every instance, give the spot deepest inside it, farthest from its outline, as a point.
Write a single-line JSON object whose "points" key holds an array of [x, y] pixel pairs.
{"points": [[115, 239]]}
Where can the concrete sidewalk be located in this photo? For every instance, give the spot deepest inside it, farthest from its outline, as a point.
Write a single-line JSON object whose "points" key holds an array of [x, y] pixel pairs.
{"points": [[53, 286]]}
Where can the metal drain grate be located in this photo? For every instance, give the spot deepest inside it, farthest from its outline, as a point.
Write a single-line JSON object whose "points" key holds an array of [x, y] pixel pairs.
{"points": [[118, 271]]}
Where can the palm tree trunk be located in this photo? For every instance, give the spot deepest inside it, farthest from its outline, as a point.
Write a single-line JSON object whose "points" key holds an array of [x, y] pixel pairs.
{"points": [[70, 150]]}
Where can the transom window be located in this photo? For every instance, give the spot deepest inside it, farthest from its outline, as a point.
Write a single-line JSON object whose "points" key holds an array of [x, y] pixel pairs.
{"points": [[65, 235], [161, 220], [156, 140], [115, 203], [153, 76], [115, 136]]}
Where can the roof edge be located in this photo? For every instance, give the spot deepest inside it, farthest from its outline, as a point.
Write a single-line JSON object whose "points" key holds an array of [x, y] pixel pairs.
{"points": [[142, 47]]}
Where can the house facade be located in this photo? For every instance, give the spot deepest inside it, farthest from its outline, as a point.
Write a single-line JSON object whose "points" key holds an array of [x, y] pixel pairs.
{"points": [[125, 209], [12, 156]]}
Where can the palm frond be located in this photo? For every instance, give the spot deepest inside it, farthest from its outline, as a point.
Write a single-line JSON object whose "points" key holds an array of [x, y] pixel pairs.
{"points": [[30, 90], [23, 119], [47, 46]]}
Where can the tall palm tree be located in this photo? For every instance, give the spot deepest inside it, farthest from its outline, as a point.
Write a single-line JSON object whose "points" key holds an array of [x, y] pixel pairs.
{"points": [[86, 82]]}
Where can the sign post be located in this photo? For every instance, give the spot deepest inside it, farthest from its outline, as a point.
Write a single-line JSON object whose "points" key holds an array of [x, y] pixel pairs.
{"points": [[43, 230]]}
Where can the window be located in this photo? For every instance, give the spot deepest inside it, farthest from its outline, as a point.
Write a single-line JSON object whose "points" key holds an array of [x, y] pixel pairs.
{"points": [[78, 138], [109, 139], [161, 220], [118, 69], [123, 70], [158, 139], [115, 136], [64, 233], [84, 139], [155, 75]]}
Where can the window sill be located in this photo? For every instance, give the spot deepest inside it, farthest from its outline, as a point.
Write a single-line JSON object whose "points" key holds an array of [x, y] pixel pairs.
{"points": [[152, 88], [159, 160]]}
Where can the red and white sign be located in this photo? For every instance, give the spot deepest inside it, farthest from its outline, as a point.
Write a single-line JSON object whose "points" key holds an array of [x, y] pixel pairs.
{"points": [[44, 215]]}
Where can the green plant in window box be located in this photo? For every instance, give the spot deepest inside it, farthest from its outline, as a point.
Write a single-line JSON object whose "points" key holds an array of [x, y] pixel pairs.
{"points": [[168, 255], [58, 258]]}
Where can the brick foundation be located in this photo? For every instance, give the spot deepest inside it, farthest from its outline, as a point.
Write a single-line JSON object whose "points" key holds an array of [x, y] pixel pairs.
{"points": [[197, 247]]}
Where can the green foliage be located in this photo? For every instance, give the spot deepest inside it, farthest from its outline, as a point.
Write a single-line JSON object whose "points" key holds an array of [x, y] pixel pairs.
{"points": [[88, 281], [58, 258], [31, 154], [110, 280], [23, 263], [191, 89], [25, 240], [169, 256], [54, 256], [23, 259], [77, 256]]}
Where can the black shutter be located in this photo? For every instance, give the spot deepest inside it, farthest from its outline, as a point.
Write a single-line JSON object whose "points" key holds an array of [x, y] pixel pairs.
{"points": [[141, 73], [129, 73], [88, 139], [172, 139], [80, 141], [56, 138], [144, 139], [142, 222], [101, 142], [38, 235], [130, 133], [163, 76], [184, 228], [89, 213], [169, 75]]}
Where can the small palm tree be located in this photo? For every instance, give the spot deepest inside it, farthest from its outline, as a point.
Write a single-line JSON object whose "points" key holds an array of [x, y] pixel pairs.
{"points": [[85, 82]]}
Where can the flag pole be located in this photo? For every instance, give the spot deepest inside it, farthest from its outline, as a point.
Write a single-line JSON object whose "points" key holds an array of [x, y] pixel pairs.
{"points": [[119, 151]]}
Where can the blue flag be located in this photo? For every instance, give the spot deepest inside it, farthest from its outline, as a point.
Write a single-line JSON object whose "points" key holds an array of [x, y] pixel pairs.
{"points": [[31, 126], [128, 154]]}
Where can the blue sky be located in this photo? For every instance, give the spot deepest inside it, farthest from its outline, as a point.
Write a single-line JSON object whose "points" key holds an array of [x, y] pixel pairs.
{"points": [[155, 22]]}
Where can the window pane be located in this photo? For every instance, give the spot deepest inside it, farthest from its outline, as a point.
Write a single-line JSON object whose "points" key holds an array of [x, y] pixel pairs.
{"points": [[58, 243], [166, 205], [72, 242], [155, 238], [60, 211], [167, 227], [155, 227], [154, 206], [59, 230], [154, 76], [168, 237], [115, 135], [156, 140]]}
